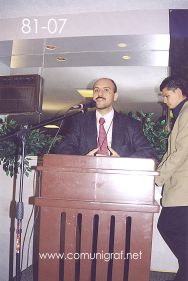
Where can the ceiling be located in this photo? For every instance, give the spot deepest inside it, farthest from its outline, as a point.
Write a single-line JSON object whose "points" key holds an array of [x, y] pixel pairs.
{"points": [[87, 35]]}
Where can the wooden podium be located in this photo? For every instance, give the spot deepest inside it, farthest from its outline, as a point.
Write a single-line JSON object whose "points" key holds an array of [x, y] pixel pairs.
{"points": [[96, 216]]}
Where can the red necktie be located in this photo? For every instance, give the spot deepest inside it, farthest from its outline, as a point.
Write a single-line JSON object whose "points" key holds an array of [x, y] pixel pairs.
{"points": [[102, 140]]}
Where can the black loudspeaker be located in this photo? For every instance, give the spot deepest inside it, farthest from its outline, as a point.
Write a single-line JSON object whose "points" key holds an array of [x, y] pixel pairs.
{"points": [[20, 94]]}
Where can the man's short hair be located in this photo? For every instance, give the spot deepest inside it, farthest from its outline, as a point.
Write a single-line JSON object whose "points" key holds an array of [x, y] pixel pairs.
{"points": [[115, 86], [174, 82]]}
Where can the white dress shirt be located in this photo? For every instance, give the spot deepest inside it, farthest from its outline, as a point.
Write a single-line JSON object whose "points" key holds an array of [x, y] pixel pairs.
{"points": [[107, 125]]}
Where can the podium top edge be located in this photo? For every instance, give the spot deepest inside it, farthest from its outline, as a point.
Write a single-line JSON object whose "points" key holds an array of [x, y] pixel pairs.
{"points": [[90, 162]]}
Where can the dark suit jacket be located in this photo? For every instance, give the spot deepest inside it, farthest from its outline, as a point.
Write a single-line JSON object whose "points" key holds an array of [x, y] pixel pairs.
{"points": [[128, 139]]}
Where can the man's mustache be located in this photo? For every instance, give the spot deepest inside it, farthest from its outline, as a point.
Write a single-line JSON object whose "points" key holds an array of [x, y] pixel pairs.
{"points": [[100, 98]]}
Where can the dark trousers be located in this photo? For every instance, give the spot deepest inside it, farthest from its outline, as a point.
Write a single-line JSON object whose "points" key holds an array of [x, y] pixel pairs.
{"points": [[173, 227]]}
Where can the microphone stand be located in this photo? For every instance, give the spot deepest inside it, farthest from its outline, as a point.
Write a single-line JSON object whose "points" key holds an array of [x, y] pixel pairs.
{"points": [[22, 135]]}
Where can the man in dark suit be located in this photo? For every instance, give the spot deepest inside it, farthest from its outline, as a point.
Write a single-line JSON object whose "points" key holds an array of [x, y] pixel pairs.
{"points": [[124, 135]]}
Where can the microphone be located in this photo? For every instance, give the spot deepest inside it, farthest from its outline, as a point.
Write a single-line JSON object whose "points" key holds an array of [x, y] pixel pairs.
{"points": [[84, 106]]}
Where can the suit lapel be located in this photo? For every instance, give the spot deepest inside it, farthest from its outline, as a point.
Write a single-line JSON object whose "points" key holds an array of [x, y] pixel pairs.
{"points": [[175, 130], [91, 130], [117, 136]]}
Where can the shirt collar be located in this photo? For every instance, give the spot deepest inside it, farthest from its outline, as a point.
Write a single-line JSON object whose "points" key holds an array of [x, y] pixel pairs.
{"points": [[109, 116], [178, 108]]}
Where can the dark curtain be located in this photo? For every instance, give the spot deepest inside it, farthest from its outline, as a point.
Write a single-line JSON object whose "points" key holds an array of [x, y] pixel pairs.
{"points": [[178, 53]]}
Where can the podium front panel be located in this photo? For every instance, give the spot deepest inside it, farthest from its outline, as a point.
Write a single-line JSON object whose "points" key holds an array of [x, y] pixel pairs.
{"points": [[102, 179], [96, 216]]}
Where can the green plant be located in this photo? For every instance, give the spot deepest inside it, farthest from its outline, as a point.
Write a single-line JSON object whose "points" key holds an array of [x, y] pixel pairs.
{"points": [[156, 131], [37, 143]]}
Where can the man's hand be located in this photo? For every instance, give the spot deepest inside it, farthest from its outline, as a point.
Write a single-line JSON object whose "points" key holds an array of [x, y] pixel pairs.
{"points": [[92, 152], [113, 152]]}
